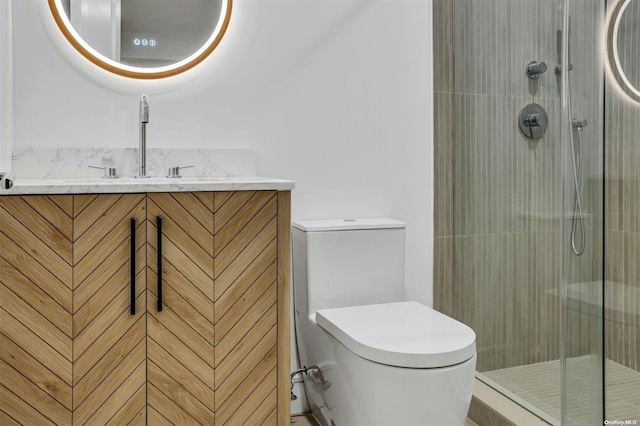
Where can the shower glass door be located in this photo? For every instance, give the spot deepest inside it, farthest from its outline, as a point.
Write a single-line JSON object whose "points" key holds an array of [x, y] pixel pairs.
{"points": [[622, 227], [527, 255], [582, 144]]}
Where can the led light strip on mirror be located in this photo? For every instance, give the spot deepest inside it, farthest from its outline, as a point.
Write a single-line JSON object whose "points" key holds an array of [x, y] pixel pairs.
{"points": [[613, 51], [97, 58]]}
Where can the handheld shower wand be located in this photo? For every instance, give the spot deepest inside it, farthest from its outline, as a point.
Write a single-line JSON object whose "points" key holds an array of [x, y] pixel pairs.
{"points": [[564, 57]]}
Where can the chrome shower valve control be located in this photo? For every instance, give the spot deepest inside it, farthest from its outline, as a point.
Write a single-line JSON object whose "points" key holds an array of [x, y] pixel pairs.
{"points": [[535, 69], [174, 172], [533, 121]]}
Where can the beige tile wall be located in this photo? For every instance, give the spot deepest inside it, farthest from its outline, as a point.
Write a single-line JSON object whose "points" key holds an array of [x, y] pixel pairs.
{"points": [[622, 296], [499, 196]]}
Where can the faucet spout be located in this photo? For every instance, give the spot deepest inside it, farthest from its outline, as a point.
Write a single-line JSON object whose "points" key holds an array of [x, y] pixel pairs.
{"points": [[144, 109], [142, 150]]}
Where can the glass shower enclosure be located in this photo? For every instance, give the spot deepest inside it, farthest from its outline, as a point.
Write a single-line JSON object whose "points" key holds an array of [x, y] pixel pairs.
{"points": [[537, 180]]}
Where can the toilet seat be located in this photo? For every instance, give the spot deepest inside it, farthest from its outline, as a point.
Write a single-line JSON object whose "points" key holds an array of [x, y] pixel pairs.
{"points": [[402, 334]]}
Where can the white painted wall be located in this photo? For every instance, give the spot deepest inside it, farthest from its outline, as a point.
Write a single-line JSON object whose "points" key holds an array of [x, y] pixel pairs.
{"points": [[6, 88], [334, 94]]}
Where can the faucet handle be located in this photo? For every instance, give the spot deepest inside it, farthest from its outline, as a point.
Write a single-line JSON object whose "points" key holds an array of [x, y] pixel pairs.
{"points": [[109, 172], [174, 172], [6, 180]]}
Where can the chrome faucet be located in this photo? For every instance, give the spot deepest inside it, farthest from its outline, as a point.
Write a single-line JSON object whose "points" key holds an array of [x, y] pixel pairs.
{"points": [[142, 151]]}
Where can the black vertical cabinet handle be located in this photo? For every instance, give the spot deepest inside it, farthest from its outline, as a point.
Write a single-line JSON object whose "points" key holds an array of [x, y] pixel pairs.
{"points": [[133, 266], [159, 226]]}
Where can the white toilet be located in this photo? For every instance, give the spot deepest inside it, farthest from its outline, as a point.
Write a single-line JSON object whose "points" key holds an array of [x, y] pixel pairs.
{"points": [[381, 361]]}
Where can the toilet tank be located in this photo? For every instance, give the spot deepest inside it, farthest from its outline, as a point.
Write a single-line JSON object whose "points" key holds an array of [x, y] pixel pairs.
{"points": [[347, 262]]}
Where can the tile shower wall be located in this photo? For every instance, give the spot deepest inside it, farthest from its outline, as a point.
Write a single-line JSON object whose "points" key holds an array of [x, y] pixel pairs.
{"points": [[499, 195], [622, 294]]}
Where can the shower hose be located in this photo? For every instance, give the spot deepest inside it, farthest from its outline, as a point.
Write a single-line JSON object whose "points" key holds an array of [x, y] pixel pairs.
{"points": [[577, 219]]}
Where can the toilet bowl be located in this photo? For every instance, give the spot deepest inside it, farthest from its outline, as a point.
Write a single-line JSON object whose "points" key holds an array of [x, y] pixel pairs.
{"points": [[380, 360]]}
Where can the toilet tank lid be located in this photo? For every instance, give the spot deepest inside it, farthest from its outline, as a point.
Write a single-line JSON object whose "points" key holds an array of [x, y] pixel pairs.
{"points": [[347, 224]]}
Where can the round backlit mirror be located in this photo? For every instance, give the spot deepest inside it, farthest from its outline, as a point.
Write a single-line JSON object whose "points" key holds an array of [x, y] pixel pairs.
{"points": [[623, 46], [144, 39]]}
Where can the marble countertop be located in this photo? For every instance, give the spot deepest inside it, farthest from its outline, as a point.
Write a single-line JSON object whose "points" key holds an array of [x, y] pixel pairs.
{"points": [[133, 185]]}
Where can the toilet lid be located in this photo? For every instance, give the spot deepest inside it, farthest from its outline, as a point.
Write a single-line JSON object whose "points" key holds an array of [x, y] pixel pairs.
{"points": [[403, 334]]}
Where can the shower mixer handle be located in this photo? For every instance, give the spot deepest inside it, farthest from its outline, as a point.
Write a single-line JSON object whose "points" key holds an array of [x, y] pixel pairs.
{"points": [[533, 121], [535, 69]]}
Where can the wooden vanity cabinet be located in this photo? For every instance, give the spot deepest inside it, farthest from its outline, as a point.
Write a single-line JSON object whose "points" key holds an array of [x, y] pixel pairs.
{"points": [[36, 310], [109, 345], [210, 345], [180, 329], [71, 351]]}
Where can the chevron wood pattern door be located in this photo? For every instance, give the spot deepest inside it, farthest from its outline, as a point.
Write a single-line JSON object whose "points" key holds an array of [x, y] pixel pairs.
{"points": [[36, 305], [109, 347], [180, 335], [246, 308]]}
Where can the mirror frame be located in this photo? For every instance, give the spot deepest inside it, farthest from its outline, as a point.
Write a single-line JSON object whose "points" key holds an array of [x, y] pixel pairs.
{"points": [[62, 21], [612, 51]]}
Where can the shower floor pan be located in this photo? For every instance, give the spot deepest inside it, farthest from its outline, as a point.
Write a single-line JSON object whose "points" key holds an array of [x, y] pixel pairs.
{"points": [[537, 388]]}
